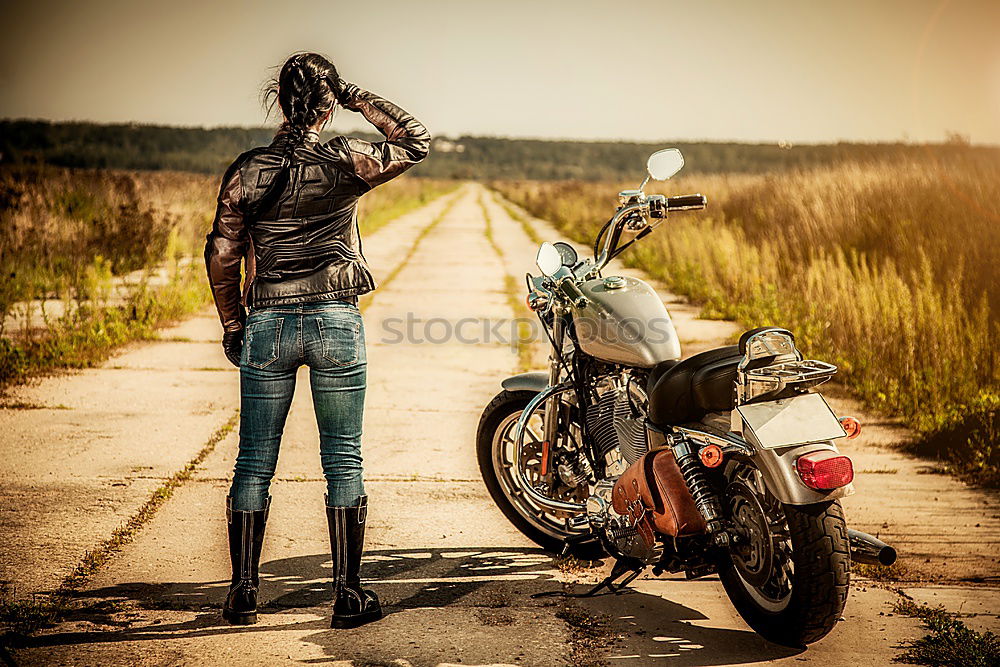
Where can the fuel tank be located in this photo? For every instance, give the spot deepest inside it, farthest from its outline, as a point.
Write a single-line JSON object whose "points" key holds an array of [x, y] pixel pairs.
{"points": [[625, 322]]}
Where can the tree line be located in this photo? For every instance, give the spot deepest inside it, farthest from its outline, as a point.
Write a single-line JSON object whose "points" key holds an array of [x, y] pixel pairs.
{"points": [[153, 147]]}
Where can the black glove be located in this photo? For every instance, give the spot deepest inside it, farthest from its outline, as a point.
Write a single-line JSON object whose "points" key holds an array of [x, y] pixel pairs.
{"points": [[344, 92], [232, 344], [232, 337]]}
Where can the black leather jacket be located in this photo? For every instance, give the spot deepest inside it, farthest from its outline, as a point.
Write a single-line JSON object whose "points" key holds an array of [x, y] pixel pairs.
{"points": [[289, 210]]}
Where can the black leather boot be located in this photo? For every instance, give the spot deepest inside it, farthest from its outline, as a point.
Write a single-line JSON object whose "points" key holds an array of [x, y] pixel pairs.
{"points": [[246, 535], [353, 605]]}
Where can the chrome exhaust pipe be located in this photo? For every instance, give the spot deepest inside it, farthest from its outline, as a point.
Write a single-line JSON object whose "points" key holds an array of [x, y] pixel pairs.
{"points": [[870, 550]]}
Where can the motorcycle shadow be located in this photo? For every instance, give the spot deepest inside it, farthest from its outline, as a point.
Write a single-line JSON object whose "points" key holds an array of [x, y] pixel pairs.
{"points": [[638, 628], [654, 629]]}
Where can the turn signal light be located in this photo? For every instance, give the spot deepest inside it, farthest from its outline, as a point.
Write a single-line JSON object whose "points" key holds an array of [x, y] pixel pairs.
{"points": [[711, 456], [825, 469], [852, 426], [536, 301]]}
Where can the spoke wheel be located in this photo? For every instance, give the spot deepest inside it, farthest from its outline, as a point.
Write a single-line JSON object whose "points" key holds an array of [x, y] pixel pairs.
{"points": [[497, 458], [504, 461]]}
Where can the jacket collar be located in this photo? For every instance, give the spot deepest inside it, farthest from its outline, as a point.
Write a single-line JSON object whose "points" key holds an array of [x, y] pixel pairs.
{"points": [[284, 135]]}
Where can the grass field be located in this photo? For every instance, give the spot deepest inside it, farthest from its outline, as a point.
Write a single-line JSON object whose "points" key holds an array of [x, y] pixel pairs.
{"points": [[887, 270], [92, 259]]}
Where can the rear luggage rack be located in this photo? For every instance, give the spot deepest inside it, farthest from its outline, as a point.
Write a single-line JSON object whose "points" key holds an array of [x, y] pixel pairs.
{"points": [[786, 367], [811, 371]]}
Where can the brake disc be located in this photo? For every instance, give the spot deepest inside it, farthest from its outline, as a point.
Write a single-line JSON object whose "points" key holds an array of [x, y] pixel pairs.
{"points": [[753, 554]]}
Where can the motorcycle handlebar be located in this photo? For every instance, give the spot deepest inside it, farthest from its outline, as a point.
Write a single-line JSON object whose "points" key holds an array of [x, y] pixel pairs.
{"points": [[576, 297], [686, 202], [655, 206]]}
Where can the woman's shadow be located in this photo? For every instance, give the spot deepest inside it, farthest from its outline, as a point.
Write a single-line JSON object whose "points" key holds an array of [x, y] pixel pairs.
{"points": [[485, 582]]}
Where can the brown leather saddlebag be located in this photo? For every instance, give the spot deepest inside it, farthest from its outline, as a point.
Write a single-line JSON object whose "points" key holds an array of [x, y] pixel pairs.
{"points": [[654, 484]]}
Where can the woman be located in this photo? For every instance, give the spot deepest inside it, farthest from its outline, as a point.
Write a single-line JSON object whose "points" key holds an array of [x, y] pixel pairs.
{"points": [[290, 211]]}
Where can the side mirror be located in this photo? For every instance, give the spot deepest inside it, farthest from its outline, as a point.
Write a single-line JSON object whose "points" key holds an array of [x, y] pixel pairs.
{"points": [[548, 260], [664, 164]]}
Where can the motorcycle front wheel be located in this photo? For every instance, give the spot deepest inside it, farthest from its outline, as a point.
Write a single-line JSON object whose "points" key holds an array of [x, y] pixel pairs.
{"points": [[789, 573], [494, 449]]}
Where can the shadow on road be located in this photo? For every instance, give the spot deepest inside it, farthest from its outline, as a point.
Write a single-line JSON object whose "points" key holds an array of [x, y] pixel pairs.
{"points": [[486, 586]]}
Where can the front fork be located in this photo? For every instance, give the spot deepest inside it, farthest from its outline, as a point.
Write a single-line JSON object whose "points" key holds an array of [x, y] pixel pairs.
{"points": [[550, 418]]}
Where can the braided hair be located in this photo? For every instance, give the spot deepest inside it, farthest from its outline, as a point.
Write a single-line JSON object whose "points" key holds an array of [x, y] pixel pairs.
{"points": [[306, 89]]}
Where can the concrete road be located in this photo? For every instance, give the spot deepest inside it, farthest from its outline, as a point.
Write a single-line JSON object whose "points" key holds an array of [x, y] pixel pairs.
{"points": [[456, 578]]}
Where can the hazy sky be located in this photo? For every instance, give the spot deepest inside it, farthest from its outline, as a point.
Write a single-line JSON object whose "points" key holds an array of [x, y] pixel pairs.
{"points": [[756, 70]]}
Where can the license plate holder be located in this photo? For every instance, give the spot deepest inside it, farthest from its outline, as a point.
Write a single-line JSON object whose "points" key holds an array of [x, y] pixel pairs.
{"points": [[791, 421]]}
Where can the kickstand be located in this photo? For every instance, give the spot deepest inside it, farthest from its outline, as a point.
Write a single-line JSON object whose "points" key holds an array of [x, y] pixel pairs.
{"points": [[621, 567]]}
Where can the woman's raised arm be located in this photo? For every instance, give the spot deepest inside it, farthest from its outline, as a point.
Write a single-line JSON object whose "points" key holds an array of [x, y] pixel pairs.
{"points": [[407, 141]]}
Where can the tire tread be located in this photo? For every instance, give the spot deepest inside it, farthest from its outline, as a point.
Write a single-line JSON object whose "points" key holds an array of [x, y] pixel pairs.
{"points": [[821, 542]]}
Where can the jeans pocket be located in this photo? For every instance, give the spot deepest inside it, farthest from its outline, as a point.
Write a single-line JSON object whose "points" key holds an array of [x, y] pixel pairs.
{"points": [[261, 342], [341, 338]]}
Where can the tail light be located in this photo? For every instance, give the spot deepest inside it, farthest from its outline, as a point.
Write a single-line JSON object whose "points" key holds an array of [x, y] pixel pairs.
{"points": [[825, 469]]}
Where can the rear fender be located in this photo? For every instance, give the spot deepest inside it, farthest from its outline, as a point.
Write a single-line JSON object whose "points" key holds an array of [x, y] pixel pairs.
{"points": [[777, 466]]}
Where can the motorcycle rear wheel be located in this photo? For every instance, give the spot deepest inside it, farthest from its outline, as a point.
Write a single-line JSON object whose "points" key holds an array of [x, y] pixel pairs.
{"points": [[546, 531], [803, 597]]}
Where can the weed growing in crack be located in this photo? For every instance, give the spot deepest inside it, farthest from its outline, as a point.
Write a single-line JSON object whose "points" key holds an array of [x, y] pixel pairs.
{"points": [[950, 642]]}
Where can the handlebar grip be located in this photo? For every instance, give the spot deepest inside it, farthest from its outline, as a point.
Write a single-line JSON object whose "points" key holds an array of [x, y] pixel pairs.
{"points": [[686, 202], [570, 289]]}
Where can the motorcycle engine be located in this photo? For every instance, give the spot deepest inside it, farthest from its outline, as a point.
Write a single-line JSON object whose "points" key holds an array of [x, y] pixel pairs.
{"points": [[616, 419], [616, 424]]}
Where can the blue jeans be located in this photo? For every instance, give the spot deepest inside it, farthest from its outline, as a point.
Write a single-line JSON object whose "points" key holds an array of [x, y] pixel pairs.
{"points": [[329, 337]]}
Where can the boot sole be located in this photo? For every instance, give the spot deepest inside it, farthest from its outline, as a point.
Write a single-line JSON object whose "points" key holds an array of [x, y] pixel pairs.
{"points": [[347, 622], [240, 618]]}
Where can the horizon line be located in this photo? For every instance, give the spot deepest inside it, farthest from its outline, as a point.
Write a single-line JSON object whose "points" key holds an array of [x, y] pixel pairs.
{"points": [[453, 137]]}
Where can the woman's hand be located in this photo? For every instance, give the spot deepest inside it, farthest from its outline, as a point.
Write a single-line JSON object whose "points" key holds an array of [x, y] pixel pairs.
{"points": [[342, 90], [232, 345], [232, 337], [349, 95]]}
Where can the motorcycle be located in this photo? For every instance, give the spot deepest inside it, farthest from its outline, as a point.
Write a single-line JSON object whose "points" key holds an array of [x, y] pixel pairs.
{"points": [[724, 462]]}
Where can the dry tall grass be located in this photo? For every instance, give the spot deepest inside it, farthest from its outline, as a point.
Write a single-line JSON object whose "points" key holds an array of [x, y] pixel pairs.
{"points": [[889, 271], [56, 223]]}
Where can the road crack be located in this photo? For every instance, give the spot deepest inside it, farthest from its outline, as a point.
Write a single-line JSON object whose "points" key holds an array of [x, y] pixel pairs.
{"points": [[25, 617]]}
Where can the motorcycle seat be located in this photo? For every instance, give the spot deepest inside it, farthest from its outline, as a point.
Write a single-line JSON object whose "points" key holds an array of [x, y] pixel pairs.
{"points": [[686, 391]]}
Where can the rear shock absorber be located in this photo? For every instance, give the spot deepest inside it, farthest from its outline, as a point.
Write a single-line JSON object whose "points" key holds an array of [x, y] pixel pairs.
{"points": [[705, 499]]}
